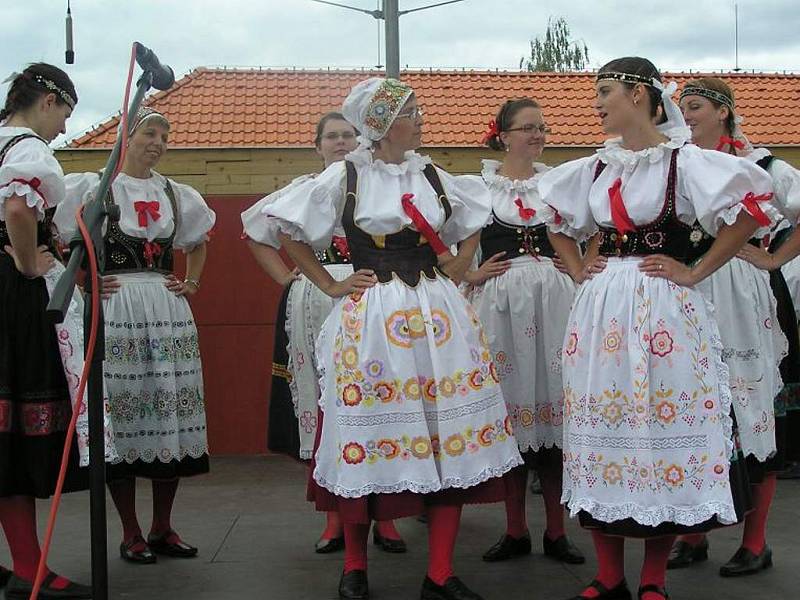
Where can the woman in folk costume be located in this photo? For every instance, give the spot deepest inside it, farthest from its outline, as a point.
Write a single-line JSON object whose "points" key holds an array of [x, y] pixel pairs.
{"points": [[36, 380], [753, 326], [791, 271], [523, 302], [301, 312], [152, 372], [647, 425], [414, 418]]}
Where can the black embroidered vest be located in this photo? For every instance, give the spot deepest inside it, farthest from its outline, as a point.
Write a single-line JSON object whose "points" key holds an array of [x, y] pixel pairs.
{"points": [[129, 254], [514, 240], [44, 228], [665, 235], [406, 253]]}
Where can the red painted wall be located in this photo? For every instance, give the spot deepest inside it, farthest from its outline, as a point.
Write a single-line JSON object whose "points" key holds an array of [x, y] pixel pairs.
{"points": [[235, 312]]}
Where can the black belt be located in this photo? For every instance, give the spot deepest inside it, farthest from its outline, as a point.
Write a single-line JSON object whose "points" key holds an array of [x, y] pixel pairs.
{"points": [[405, 263]]}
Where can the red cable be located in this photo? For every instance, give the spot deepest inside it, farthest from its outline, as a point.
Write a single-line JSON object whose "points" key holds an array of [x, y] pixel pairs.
{"points": [[95, 318], [51, 521], [124, 113]]}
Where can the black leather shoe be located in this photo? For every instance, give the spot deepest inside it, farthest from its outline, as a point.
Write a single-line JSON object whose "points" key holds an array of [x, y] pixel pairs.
{"points": [[324, 546], [387, 544], [453, 589], [5, 575], [745, 562], [20, 589], [620, 592], [652, 587], [353, 586], [508, 547], [160, 544], [142, 557], [685, 555], [562, 550]]}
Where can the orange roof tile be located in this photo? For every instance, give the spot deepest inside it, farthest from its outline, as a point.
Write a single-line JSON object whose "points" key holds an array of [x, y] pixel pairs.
{"points": [[212, 108]]}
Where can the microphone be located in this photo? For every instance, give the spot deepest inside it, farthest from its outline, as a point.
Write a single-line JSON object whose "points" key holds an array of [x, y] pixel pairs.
{"points": [[163, 77], [70, 53]]}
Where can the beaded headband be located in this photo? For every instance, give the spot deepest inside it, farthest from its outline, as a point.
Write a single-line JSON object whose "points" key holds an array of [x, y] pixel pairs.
{"points": [[51, 85], [144, 113], [625, 77], [714, 95]]}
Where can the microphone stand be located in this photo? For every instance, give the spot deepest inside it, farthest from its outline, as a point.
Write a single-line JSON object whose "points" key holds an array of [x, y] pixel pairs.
{"points": [[95, 214]]}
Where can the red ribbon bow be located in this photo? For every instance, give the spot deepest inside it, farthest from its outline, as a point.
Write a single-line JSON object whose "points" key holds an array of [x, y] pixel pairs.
{"points": [[492, 131], [145, 209], [151, 250], [422, 225], [619, 214], [750, 203], [340, 243], [728, 141], [525, 213]]}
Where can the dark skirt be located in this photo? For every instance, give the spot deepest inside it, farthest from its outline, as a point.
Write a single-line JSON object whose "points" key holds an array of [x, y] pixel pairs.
{"points": [[186, 467], [385, 507], [35, 405], [283, 432]]}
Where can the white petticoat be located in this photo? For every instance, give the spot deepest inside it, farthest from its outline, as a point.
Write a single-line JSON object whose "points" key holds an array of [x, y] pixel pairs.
{"points": [[647, 427], [410, 394], [307, 307], [152, 372], [753, 347], [524, 313]]}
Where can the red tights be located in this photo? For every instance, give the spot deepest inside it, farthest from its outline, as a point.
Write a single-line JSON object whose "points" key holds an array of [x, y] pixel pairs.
{"points": [[443, 524]]}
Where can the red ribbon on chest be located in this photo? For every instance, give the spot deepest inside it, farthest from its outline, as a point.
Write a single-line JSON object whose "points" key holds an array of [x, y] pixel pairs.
{"points": [[619, 214], [147, 209], [422, 225]]}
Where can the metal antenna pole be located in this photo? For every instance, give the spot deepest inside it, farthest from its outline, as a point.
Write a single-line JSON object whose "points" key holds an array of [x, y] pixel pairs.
{"points": [[391, 19], [390, 14], [736, 35]]}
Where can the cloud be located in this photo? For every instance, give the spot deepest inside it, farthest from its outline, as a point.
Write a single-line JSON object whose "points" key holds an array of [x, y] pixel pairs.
{"points": [[474, 34]]}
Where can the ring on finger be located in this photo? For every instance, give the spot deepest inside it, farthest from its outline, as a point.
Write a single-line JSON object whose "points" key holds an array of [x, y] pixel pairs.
{"points": [[660, 267]]}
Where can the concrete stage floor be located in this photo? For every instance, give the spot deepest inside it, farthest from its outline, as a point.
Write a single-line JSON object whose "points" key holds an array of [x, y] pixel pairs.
{"points": [[256, 536]]}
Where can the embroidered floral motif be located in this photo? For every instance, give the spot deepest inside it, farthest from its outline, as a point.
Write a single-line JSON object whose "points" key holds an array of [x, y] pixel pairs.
{"points": [[308, 421], [613, 338], [441, 327], [404, 326], [469, 441]]}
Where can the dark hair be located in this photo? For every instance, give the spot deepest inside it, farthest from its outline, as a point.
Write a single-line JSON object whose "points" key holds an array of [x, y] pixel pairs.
{"points": [[638, 68], [330, 116], [715, 84], [504, 118], [27, 87]]}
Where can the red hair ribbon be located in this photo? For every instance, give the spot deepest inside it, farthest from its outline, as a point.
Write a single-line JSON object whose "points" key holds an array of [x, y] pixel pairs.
{"points": [[525, 213], [145, 209], [619, 213], [728, 141], [151, 250], [422, 225], [340, 243], [492, 131], [750, 203]]}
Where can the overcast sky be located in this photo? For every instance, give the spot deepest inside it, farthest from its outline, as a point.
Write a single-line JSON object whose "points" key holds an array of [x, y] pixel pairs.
{"points": [[676, 35]]}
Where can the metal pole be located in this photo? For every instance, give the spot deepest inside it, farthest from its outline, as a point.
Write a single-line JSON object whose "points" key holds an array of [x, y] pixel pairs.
{"points": [[391, 16]]}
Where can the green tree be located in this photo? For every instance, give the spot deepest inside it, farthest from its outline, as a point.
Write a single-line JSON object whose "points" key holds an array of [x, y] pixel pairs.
{"points": [[556, 52]]}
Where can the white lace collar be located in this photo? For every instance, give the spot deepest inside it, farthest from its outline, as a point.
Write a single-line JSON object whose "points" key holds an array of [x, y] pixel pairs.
{"points": [[493, 178], [613, 153], [413, 162]]}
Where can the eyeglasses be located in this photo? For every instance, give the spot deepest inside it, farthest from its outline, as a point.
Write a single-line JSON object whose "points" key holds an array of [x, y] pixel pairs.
{"points": [[335, 135], [542, 129], [413, 113]]}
